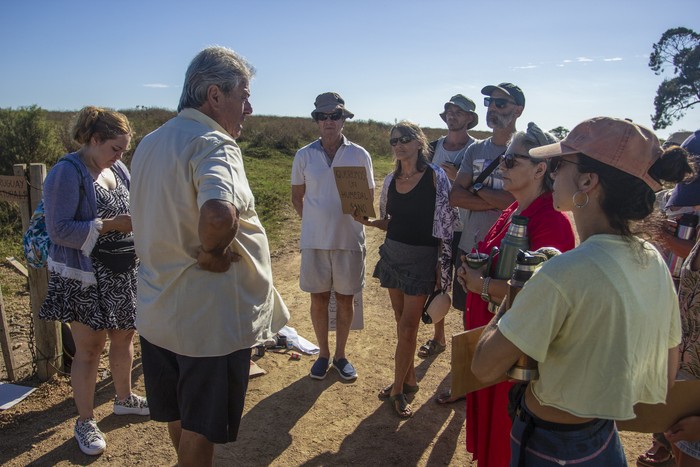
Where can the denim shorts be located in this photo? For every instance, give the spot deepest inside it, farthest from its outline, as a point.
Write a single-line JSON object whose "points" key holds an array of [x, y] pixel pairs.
{"points": [[592, 444]]}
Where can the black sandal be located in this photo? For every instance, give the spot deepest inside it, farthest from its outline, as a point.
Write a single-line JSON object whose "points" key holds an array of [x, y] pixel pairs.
{"points": [[401, 406], [407, 390], [430, 348]]}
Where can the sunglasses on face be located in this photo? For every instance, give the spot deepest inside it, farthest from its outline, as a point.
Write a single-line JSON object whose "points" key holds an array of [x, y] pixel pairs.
{"points": [[509, 159], [323, 117], [401, 139], [499, 102], [555, 163]]}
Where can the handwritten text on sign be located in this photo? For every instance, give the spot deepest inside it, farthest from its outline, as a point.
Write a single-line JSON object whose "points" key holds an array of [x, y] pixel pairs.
{"points": [[12, 188], [353, 189]]}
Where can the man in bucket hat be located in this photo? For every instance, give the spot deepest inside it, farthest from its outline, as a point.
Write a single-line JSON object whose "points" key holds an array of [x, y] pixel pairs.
{"points": [[447, 152], [332, 243]]}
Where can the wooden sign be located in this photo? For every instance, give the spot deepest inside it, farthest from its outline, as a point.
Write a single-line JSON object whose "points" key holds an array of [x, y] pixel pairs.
{"points": [[354, 191], [13, 189]]}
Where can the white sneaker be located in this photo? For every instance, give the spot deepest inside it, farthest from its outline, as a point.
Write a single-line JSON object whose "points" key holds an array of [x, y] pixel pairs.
{"points": [[90, 439], [132, 405]]}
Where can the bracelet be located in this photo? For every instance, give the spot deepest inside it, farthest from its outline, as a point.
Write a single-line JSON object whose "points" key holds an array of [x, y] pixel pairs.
{"points": [[485, 290]]}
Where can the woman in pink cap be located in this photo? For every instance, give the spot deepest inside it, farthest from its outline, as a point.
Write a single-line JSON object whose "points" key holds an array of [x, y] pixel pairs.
{"points": [[603, 337]]}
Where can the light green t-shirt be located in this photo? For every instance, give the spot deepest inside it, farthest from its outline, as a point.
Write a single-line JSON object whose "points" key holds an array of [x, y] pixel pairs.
{"points": [[599, 320]]}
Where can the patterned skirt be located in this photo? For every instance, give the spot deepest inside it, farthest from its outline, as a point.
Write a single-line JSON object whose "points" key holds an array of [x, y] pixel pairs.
{"points": [[109, 304]]}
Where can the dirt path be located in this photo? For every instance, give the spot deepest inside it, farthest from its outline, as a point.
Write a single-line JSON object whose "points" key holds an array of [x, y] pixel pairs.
{"points": [[289, 420]]}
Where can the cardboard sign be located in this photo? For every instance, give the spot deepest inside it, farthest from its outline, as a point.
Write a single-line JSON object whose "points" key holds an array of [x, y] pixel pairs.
{"points": [[354, 191], [683, 398], [12, 188], [357, 317]]}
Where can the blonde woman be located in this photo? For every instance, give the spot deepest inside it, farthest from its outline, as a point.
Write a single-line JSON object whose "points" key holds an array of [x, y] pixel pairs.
{"points": [[92, 286]]}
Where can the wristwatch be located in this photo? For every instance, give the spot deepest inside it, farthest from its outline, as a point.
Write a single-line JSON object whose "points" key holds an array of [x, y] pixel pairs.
{"points": [[476, 187], [485, 290]]}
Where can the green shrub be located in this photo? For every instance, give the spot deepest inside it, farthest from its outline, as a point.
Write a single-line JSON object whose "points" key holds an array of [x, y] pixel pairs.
{"points": [[26, 136]]}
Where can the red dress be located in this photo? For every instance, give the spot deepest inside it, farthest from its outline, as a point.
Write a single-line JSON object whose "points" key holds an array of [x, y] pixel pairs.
{"points": [[488, 424]]}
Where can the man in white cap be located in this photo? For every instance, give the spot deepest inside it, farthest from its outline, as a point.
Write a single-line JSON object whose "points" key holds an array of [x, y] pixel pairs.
{"points": [[447, 152], [332, 243]]}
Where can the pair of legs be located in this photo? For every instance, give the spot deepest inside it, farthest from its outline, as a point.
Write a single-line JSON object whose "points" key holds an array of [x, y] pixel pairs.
{"points": [[88, 347], [407, 312], [319, 319]]}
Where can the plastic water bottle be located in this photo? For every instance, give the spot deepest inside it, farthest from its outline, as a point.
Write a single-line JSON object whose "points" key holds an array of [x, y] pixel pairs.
{"points": [[514, 241]]}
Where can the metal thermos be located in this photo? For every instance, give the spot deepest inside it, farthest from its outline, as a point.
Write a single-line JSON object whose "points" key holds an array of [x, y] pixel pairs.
{"points": [[525, 369], [514, 241], [685, 229]]}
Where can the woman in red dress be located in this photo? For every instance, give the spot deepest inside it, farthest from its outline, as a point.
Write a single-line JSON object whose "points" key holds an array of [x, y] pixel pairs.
{"points": [[488, 423]]}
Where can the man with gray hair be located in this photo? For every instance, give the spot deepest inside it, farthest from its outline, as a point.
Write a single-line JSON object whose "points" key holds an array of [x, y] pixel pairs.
{"points": [[205, 293]]}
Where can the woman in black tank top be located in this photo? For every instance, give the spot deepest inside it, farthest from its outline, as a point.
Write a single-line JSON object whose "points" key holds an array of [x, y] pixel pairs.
{"points": [[409, 256]]}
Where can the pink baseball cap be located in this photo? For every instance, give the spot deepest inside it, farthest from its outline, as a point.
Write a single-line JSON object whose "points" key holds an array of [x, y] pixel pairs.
{"points": [[615, 142]]}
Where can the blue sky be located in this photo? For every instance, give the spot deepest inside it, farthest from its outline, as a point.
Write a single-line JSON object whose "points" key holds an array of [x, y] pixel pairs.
{"points": [[389, 59]]}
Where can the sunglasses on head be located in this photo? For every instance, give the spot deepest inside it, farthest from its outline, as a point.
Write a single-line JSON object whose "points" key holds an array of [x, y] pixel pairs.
{"points": [[509, 159], [555, 163], [499, 102], [405, 139], [320, 117]]}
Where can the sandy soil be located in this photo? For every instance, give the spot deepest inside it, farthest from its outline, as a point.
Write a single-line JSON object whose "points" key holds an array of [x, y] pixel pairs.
{"points": [[289, 420]]}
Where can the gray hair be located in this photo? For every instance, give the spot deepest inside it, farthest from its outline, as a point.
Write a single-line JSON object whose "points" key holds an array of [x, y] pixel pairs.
{"points": [[534, 137], [217, 66]]}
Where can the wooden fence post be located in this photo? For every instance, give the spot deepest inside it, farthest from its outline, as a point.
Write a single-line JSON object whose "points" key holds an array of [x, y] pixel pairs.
{"points": [[6, 343], [47, 334]]}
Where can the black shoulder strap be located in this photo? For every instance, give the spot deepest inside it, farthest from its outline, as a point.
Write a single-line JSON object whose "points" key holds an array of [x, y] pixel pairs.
{"points": [[490, 168]]}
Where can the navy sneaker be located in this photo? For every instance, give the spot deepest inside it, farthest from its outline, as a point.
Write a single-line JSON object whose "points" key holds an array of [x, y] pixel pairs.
{"points": [[319, 368], [345, 369]]}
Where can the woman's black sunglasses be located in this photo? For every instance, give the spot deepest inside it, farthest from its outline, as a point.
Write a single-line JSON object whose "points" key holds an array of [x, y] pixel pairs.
{"points": [[509, 159], [555, 163], [405, 139]]}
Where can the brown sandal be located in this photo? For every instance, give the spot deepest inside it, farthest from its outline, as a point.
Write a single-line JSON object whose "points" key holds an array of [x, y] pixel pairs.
{"points": [[401, 406]]}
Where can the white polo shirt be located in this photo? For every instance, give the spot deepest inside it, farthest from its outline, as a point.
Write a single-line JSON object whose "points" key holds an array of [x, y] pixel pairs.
{"points": [[323, 224]]}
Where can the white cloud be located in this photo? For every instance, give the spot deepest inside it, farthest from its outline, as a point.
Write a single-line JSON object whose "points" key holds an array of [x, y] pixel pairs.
{"points": [[568, 61], [615, 59], [156, 85], [584, 59], [526, 67]]}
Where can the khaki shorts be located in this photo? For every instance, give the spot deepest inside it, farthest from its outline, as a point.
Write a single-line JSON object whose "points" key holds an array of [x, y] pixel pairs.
{"points": [[343, 270]]}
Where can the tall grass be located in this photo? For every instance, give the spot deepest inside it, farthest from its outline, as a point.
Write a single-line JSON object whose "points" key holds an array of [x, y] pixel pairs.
{"points": [[269, 144]]}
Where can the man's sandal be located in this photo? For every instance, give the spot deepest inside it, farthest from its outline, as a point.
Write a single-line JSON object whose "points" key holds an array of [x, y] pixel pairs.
{"points": [[401, 406], [430, 348], [407, 390]]}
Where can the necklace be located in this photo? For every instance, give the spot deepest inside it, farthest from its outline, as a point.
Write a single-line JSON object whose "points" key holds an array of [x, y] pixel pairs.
{"points": [[406, 177]]}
